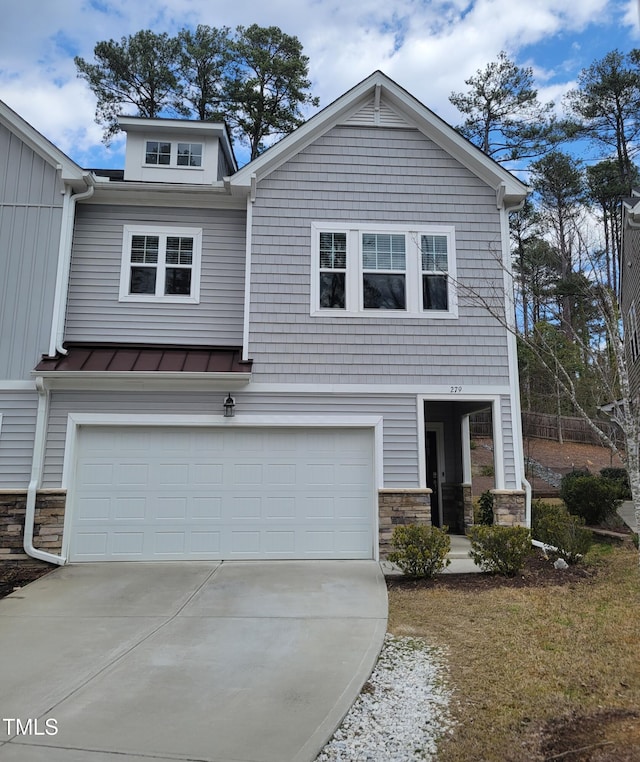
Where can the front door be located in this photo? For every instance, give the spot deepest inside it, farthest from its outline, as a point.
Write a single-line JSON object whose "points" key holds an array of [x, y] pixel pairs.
{"points": [[433, 476]]}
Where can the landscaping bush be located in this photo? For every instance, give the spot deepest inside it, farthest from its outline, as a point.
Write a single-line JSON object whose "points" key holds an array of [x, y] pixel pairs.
{"points": [[591, 497], [500, 550], [539, 512], [554, 525], [483, 513], [420, 551], [621, 478]]}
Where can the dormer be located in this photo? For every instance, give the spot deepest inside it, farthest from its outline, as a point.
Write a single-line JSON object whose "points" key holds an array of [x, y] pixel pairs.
{"points": [[177, 151]]}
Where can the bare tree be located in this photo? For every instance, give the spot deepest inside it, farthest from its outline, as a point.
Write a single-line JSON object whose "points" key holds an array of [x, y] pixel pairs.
{"points": [[606, 357]]}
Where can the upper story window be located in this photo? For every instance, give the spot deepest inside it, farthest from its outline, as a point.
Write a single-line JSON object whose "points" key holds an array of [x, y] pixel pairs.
{"points": [[189, 154], [168, 154], [158, 153], [385, 269], [160, 264]]}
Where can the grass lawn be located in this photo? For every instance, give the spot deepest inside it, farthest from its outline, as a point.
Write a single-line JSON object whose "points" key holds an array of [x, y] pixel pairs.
{"points": [[538, 673]]}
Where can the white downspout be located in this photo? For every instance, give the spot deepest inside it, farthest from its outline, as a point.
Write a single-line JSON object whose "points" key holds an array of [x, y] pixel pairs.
{"points": [[251, 197], [36, 477], [64, 265]]}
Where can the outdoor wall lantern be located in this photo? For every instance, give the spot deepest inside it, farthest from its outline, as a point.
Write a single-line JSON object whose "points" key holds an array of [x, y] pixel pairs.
{"points": [[229, 407]]}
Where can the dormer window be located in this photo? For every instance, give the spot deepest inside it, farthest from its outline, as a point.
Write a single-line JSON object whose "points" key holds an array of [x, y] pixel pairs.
{"points": [[167, 154], [158, 153], [189, 154]]}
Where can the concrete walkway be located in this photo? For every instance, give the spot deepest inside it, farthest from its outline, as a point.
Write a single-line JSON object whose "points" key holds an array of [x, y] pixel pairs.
{"points": [[627, 514], [200, 661]]}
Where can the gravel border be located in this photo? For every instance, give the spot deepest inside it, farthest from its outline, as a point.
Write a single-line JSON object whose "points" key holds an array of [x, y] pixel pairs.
{"points": [[402, 711]]}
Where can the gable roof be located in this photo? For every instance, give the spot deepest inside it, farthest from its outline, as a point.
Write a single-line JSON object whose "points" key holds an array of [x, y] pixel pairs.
{"points": [[71, 172], [380, 89]]}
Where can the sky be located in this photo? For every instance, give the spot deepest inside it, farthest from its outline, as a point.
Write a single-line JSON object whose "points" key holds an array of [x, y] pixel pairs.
{"points": [[428, 46]]}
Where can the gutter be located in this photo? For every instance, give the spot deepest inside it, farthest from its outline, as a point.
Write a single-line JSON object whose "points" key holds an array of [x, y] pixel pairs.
{"points": [[64, 264], [36, 477]]}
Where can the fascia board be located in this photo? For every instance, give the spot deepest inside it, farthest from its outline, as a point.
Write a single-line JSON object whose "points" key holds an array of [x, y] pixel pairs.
{"points": [[165, 194], [193, 127], [70, 171], [132, 380]]}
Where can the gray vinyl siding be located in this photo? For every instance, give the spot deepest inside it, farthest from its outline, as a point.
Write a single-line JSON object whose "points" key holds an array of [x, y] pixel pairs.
{"points": [[30, 220], [511, 480], [630, 293], [398, 412], [379, 175], [18, 410], [94, 313]]}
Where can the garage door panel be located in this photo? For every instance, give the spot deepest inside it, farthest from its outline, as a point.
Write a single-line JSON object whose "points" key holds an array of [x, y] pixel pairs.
{"points": [[145, 493]]}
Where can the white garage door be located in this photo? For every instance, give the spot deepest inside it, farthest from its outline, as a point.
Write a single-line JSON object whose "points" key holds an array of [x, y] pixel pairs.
{"points": [[149, 493]]}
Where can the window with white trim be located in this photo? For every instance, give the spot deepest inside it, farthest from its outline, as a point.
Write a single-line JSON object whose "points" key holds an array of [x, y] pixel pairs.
{"points": [[383, 269], [161, 264], [167, 154]]}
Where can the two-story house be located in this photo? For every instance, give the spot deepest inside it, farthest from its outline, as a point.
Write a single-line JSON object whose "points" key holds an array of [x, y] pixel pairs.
{"points": [[273, 362]]}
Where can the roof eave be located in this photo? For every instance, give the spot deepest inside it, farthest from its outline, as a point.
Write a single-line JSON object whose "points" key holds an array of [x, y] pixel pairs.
{"points": [[70, 172]]}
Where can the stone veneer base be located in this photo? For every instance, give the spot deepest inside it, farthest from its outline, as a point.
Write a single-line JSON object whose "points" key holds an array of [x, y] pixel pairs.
{"points": [[399, 507], [49, 522], [509, 507]]}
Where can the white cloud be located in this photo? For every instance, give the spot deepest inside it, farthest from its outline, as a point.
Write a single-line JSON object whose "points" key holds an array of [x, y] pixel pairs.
{"points": [[429, 46]]}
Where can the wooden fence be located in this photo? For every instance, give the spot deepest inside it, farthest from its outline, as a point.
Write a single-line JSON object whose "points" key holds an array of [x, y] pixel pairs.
{"points": [[546, 426]]}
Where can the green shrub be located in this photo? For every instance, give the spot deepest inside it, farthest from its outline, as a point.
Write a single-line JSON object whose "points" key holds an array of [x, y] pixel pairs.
{"points": [[420, 551], [483, 513], [621, 478], [539, 512], [500, 550], [636, 540], [554, 525], [591, 497]]}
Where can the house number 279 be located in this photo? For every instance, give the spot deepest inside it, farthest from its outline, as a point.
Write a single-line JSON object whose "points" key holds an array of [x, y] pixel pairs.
{"points": [[455, 389]]}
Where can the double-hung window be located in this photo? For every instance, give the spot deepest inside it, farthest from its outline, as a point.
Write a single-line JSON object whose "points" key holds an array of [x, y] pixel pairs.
{"points": [[161, 264], [332, 270], [435, 268], [395, 270], [384, 259]]}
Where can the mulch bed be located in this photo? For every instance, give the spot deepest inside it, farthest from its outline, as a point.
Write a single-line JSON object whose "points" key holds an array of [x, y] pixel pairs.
{"points": [[17, 574], [538, 572]]}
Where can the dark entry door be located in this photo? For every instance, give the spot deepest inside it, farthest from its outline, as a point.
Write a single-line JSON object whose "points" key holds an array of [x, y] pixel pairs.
{"points": [[431, 438]]}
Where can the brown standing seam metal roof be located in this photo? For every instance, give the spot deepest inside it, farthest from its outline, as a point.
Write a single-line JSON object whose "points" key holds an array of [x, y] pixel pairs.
{"points": [[123, 358]]}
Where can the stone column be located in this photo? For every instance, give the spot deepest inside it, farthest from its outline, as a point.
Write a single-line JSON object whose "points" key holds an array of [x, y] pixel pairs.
{"points": [[400, 507], [509, 509]]}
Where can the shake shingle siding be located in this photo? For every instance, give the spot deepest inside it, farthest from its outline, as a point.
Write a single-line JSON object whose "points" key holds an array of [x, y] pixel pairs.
{"points": [[30, 219], [94, 311], [630, 294], [398, 412], [372, 175]]}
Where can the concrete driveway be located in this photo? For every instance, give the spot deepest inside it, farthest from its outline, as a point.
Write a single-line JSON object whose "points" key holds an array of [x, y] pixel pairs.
{"points": [[254, 661]]}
